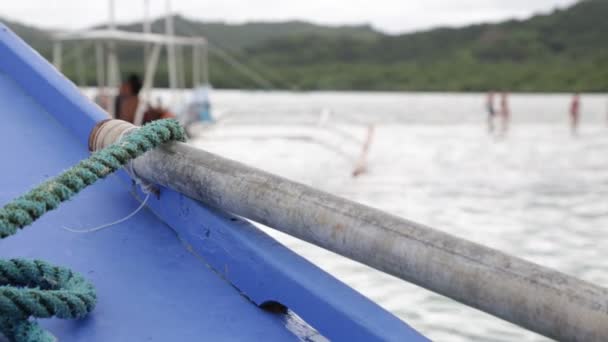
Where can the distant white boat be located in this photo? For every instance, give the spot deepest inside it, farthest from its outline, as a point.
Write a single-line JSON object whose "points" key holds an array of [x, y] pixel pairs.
{"points": [[107, 41]]}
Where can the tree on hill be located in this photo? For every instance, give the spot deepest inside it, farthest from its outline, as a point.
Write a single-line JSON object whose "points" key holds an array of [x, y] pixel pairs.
{"points": [[565, 50]]}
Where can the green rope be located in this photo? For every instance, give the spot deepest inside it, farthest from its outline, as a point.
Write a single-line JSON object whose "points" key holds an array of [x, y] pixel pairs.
{"points": [[37, 289]]}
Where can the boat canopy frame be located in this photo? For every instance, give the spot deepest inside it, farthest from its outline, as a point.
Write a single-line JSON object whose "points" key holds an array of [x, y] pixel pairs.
{"points": [[108, 67]]}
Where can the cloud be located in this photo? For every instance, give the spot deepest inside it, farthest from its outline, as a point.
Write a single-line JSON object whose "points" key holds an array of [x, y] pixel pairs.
{"points": [[388, 15]]}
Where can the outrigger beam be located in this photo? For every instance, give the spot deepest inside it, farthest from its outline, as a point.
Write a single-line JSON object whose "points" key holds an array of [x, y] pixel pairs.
{"points": [[537, 298]]}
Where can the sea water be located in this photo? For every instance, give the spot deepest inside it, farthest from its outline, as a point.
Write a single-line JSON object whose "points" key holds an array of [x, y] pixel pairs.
{"points": [[535, 192]]}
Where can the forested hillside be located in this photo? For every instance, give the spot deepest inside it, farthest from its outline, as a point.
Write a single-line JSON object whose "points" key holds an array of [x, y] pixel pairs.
{"points": [[565, 50]]}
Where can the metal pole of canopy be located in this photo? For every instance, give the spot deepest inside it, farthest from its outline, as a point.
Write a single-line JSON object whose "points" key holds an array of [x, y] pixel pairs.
{"points": [[537, 298], [196, 65], [181, 65], [169, 31], [177, 67], [178, 64], [146, 29], [100, 61], [57, 54], [205, 62], [147, 86], [113, 77], [80, 68], [111, 17]]}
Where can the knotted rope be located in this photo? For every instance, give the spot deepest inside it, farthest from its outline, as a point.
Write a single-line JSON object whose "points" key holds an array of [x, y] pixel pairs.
{"points": [[37, 289]]}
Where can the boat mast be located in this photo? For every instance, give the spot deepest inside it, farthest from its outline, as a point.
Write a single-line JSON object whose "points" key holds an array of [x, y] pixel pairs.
{"points": [[146, 29], [100, 62], [171, 60], [205, 61], [113, 69]]}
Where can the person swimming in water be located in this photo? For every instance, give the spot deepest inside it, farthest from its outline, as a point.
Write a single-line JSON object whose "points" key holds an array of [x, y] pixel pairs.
{"points": [[491, 111]]}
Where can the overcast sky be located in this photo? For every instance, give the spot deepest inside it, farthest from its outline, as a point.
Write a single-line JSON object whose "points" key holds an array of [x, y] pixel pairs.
{"points": [[386, 15]]}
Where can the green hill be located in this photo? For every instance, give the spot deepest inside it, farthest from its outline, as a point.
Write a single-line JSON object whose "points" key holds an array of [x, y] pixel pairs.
{"points": [[565, 50], [562, 51], [238, 36]]}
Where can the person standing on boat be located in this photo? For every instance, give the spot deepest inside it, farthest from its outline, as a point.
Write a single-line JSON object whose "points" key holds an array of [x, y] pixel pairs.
{"points": [[505, 112], [127, 100], [491, 110], [575, 108]]}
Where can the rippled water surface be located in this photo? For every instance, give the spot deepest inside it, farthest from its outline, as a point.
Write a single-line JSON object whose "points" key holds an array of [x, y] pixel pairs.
{"points": [[537, 193]]}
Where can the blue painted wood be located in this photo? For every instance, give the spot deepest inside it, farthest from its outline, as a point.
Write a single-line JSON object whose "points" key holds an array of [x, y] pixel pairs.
{"points": [[150, 287], [154, 282], [266, 271]]}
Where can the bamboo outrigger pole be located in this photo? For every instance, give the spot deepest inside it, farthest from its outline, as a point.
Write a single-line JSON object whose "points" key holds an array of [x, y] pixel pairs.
{"points": [[537, 298]]}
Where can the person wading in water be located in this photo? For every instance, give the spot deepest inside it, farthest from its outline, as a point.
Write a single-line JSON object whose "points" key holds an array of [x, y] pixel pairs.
{"points": [[505, 112], [491, 111], [575, 111]]}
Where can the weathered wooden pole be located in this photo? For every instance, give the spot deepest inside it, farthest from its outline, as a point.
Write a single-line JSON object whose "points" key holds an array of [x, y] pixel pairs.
{"points": [[537, 298]]}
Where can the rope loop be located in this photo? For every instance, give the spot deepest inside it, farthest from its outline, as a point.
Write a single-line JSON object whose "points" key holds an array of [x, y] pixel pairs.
{"points": [[34, 288]]}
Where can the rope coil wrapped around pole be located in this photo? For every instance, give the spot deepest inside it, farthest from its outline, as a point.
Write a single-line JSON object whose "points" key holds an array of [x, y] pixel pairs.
{"points": [[34, 288]]}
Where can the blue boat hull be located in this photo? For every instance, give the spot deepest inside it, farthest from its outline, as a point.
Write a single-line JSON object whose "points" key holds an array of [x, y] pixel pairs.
{"points": [[177, 271]]}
